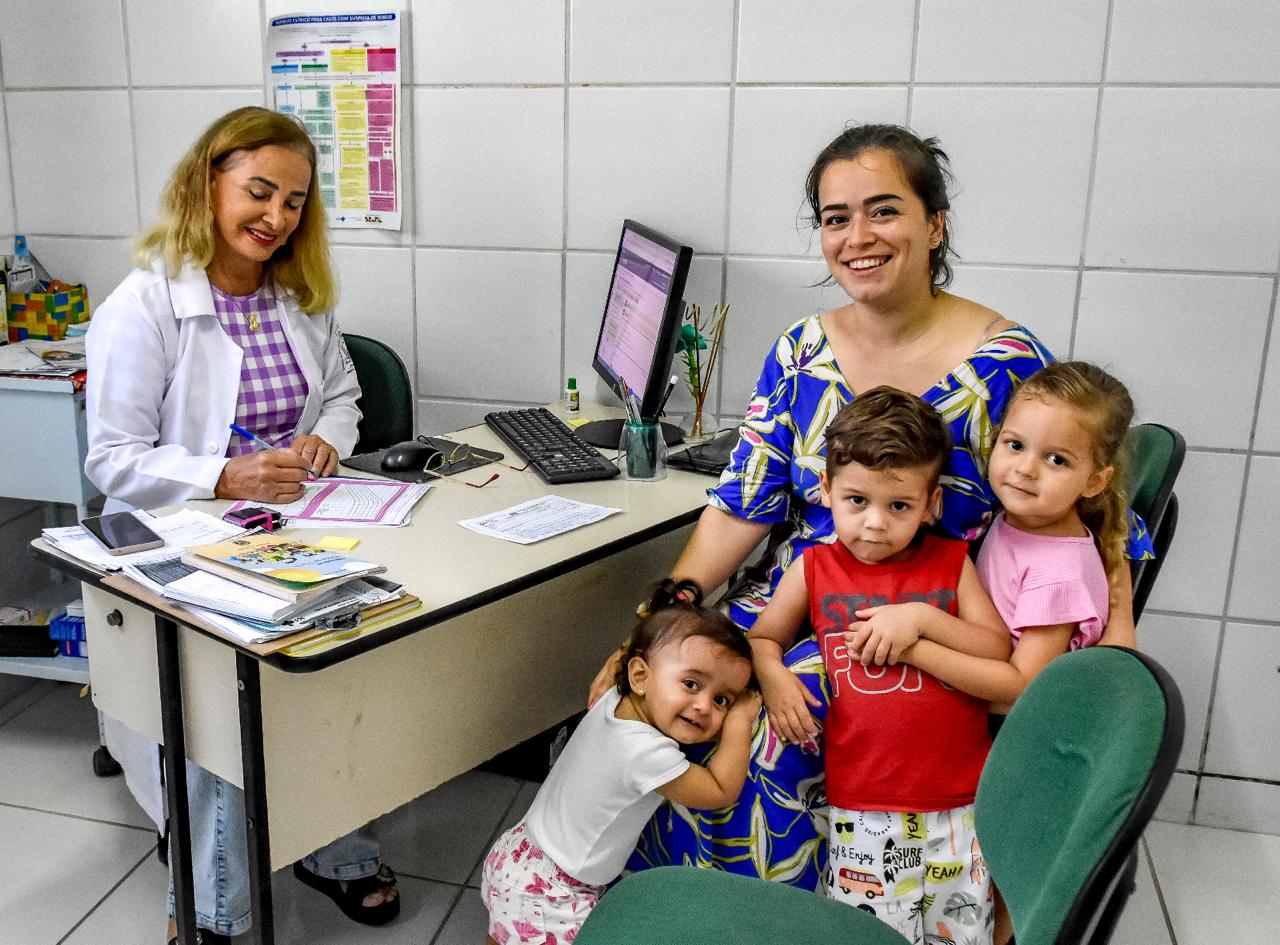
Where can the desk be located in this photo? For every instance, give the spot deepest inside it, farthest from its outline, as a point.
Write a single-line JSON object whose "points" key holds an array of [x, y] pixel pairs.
{"points": [[45, 421], [506, 645]]}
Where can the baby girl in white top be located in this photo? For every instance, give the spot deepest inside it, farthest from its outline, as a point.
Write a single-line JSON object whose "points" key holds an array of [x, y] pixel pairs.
{"points": [[683, 680], [1054, 553]]}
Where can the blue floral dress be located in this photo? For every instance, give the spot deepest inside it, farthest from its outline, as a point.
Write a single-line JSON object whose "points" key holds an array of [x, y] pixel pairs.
{"points": [[778, 828]]}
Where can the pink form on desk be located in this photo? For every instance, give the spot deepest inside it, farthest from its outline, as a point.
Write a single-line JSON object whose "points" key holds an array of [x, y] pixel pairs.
{"points": [[359, 501]]}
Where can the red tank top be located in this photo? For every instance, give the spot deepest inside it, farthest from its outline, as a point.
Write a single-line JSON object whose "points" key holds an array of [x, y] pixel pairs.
{"points": [[896, 738]]}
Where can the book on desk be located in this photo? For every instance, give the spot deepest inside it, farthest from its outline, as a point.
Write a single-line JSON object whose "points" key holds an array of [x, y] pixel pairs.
{"points": [[282, 567]]}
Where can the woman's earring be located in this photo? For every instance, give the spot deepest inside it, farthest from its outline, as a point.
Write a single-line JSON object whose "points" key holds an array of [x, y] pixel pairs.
{"points": [[640, 692]]}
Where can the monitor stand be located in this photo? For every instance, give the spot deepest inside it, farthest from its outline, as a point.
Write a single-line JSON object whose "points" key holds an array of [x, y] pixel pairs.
{"points": [[606, 434]]}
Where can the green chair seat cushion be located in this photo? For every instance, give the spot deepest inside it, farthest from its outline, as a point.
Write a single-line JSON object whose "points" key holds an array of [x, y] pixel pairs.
{"points": [[684, 905], [1084, 780]]}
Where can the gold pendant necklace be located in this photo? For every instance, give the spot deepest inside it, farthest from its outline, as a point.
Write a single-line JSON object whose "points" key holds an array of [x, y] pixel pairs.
{"points": [[254, 324]]}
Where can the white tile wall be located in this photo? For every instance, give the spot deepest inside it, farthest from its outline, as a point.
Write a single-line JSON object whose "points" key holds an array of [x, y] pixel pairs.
{"points": [[61, 44], [64, 189], [766, 296], [1267, 434], [1194, 576], [1194, 41], [657, 155], [834, 41], [375, 297], [1244, 730], [776, 134], [98, 263], [466, 300], [1169, 161], [488, 41], [1056, 42], [1254, 582], [477, 155], [1211, 327], [1187, 647], [655, 41], [167, 42], [6, 189], [1042, 299], [1022, 156], [530, 130]]}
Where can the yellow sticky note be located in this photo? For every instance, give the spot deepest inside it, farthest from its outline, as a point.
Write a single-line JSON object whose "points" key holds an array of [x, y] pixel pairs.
{"points": [[576, 422], [337, 543]]}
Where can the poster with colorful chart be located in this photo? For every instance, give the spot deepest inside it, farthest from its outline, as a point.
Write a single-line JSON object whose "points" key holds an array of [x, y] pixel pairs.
{"points": [[340, 74]]}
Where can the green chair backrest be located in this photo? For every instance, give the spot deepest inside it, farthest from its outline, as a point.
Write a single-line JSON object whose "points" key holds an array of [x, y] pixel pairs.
{"points": [[386, 398], [682, 905], [1071, 782], [1155, 457]]}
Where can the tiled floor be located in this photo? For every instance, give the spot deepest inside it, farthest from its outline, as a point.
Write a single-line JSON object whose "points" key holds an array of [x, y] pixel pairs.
{"points": [[77, 867]]}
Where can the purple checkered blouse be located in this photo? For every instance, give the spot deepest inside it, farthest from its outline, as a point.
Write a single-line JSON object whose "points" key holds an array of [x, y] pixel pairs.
{"points": [[272, 388]]}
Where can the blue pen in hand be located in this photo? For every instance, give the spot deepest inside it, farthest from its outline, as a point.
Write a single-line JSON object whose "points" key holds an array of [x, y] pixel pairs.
{"points": [[254, 438]]}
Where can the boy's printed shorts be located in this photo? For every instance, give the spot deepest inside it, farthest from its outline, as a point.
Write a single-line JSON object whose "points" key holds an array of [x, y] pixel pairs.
{"points": [[529, 898], [921, 873]]}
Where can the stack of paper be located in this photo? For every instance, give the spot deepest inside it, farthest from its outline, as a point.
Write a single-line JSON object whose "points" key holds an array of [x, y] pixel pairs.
{"points": [[52, 358], [250, 615], [182, 528], [346, 593], [342, 502]]}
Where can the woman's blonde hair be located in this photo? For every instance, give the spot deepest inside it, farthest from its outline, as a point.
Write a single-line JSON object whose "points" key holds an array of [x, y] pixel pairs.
{"points": [[1107, 410], [185, 231]]}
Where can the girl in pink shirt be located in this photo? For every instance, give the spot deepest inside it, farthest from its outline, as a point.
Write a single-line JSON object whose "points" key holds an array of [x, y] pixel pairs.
{"points": [[1050, 557]]}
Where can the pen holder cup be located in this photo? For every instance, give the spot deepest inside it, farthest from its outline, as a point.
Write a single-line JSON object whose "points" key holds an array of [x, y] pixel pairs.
{"points": [[644, 452]]}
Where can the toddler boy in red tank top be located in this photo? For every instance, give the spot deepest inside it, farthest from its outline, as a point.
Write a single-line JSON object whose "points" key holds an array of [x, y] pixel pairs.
{"points": [[902, 751]]}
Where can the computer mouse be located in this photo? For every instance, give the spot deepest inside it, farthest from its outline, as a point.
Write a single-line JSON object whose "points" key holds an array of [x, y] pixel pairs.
{"points": [[409, 456]]}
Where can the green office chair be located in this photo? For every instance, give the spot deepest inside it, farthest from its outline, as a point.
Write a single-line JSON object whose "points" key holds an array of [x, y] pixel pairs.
{"points": [[1155, 458], [1073, 779], [386, 399]]}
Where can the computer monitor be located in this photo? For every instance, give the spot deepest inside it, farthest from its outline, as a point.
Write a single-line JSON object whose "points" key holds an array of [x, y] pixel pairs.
{"points": [[641, 326]]}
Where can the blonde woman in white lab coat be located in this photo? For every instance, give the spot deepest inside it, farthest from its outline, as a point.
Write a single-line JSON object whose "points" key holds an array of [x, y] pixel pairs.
{"points": [[227, 321]]}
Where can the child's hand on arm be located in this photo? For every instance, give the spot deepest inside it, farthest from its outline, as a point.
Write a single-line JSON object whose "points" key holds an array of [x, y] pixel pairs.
{"points": [[785, 696], [787, 700], [882, 634], [720, 782], [997, 681]]}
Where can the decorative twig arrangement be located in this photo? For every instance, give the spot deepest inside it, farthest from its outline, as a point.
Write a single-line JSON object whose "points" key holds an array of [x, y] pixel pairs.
{"points": [[693, 341]]}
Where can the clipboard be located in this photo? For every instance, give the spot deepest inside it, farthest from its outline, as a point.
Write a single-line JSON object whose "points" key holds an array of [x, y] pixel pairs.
{"points": [[472, 457]]}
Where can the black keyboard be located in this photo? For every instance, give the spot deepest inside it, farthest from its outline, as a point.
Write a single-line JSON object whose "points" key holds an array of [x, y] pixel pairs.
{"points": [[555, 452]]}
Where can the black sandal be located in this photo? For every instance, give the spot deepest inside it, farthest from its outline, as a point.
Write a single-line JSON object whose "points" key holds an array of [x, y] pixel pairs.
{"points": [[351, 900]]}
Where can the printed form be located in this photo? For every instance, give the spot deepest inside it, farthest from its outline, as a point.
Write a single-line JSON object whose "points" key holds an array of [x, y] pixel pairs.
{"points": [[538, 519]]}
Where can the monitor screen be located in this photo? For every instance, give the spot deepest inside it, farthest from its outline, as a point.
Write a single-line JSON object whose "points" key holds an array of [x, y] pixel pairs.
{"points": [[642, 314]]}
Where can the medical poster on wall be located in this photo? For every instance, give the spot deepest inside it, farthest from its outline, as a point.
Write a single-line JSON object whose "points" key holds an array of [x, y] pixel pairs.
{"points": [[340, 74]]}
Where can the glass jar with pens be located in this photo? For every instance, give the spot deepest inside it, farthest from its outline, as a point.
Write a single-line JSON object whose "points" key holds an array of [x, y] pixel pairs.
{"points": [[642, 450]]}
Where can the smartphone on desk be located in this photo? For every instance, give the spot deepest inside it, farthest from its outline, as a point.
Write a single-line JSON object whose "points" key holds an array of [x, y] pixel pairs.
{"points": [[122, 533]]}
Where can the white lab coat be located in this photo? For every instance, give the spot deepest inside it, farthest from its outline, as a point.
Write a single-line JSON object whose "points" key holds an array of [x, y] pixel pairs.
{"points": [[163, 384], [164, 380]]}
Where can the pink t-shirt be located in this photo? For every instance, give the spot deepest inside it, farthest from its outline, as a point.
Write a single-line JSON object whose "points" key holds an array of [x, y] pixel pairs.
{"points": [[1041, 580]]}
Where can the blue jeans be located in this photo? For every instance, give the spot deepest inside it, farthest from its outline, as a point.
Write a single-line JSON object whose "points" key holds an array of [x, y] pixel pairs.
{"points": [[220, 854]]}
